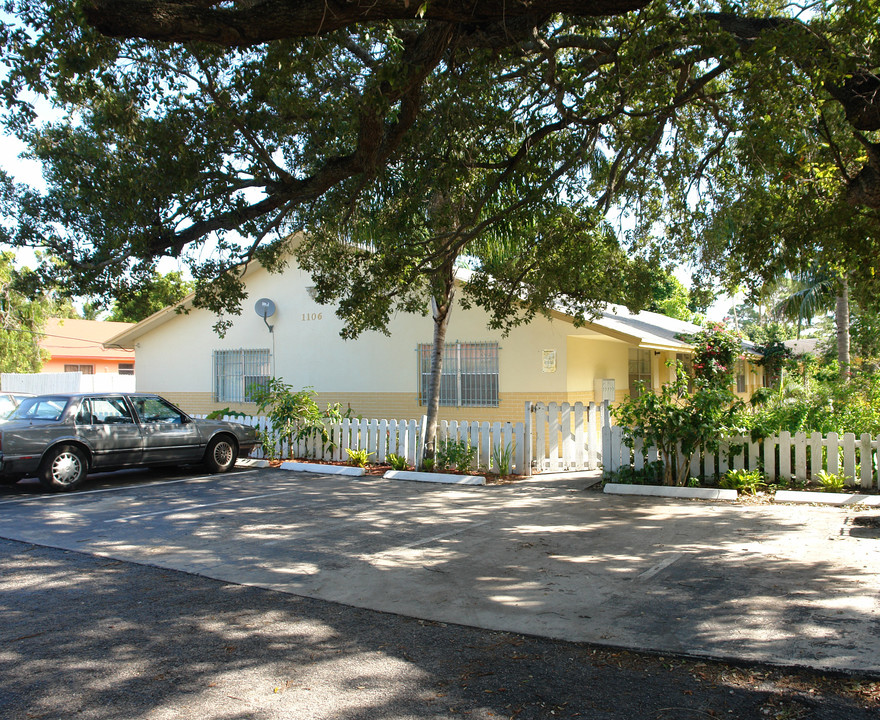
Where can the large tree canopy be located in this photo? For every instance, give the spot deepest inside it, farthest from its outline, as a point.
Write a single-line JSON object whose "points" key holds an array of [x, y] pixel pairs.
{"points": [[22, 318], [230, 123], [250, 22]]}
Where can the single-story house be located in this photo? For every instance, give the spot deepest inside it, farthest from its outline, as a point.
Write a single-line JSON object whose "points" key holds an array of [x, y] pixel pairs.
{"points": [[283, 332], [76, 345]]}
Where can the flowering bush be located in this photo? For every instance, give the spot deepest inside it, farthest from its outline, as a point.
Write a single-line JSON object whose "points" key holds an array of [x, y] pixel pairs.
{"points": [[716, 350]]}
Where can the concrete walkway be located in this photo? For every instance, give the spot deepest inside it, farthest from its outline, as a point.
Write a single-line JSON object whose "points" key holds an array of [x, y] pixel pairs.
{"points": [[792, 585]]}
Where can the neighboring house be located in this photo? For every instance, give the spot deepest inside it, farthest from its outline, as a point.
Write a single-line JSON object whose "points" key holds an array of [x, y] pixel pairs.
{"points": [[486, 376], [803, 346], [76, 345]]}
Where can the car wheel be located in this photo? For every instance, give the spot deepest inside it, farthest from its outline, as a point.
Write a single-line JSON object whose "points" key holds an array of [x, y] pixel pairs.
{"points": [[221, 454], [64, 468]]}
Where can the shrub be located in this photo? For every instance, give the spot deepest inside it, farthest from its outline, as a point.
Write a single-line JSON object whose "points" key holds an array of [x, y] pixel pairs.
{"points": [[456, 453], [502, 458], [678, 423], [294, 415], [650, 474], [397, 462], [358, 458], [225, 412], [831, 482], [745, 482]]}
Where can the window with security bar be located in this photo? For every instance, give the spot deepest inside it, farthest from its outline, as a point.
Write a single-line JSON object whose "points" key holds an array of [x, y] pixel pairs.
{"points": [[469, 378], [237, 373]]}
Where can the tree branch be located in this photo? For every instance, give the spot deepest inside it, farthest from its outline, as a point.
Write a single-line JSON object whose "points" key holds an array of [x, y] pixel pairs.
{"points": [[259, 22]]}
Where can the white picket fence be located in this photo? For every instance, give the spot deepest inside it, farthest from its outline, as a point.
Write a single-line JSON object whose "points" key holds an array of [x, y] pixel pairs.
{"points": [[786, 456], [559, 437], [568, 436], [402, 438]]}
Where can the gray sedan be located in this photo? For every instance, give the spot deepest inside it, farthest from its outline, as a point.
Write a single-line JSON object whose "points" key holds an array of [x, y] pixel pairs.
{"points": [[61, 438]]}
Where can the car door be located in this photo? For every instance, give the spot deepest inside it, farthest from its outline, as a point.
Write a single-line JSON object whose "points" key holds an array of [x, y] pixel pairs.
{"points": [[170, 436], [107, 424]]}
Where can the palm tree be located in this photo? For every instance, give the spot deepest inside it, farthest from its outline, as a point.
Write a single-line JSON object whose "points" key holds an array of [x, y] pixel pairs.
{"points": [[822, 289]]}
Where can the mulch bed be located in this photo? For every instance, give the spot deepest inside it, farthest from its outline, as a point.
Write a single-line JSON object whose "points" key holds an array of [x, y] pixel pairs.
{"points": [[378, 470]]}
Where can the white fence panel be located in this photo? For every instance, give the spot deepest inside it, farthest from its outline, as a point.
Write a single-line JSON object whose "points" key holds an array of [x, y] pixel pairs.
{"points": [[781, 459], [66, 382], [568, 436], [494, 443]]}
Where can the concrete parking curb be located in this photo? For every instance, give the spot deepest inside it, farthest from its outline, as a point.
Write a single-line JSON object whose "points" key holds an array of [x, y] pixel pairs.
{"points": [[251, 463], [671, 492], [321, 469], [802, 496], [435, 477]]}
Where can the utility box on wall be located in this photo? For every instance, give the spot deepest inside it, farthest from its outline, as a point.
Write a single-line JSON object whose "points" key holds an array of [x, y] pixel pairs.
{"points": [[603, 390]]}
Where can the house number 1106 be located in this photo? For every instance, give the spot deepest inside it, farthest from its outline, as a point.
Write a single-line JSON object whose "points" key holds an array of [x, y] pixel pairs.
{"points": [[311, 316]]}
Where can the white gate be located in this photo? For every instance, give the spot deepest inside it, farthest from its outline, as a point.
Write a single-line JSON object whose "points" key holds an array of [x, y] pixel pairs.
{"points": [[567, 436]]}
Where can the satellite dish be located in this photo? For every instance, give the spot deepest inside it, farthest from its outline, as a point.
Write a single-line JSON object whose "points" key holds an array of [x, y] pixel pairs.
{"points": [[265, 308]]}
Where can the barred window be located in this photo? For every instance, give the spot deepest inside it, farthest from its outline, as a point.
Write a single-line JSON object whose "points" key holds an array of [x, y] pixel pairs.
{"points": [[238, 372], [470, 374]]}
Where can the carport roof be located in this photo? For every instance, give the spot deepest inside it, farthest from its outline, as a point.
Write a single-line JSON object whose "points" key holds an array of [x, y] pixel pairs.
{"points": [[645, 329]]}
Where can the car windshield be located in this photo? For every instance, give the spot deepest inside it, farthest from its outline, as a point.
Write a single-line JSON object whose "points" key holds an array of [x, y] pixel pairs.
{"points": [[40, 408], [7, 405]]}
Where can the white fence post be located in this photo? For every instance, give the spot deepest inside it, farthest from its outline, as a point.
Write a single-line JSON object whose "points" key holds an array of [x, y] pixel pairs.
{"points": [[525, 449], [800, 456], [420, 450], [832, 445], [849, 458], [607, 440], [866, 461], [593, 454], [522, 456], [785, 456]]}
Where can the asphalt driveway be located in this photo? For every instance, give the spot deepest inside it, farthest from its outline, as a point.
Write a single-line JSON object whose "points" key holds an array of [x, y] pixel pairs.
{"points": [[792, 585]]}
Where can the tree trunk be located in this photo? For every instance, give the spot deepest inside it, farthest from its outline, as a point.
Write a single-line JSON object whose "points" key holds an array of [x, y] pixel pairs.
{"points": [[442, 306], [841, 318]]}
